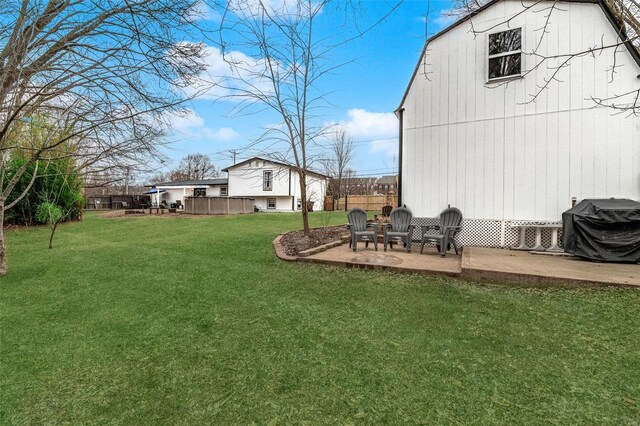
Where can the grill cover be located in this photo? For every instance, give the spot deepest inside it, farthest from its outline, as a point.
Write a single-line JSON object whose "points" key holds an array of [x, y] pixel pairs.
{"points": [[603, 230]]}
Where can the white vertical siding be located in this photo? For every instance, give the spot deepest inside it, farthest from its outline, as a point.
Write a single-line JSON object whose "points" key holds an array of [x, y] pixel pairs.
{"points": [[488, 151]]}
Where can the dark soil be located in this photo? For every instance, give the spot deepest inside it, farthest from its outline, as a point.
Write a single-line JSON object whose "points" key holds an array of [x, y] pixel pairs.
{"points": [[294, 242]]}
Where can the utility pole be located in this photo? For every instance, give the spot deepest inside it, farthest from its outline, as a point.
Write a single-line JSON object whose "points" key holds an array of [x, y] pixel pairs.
{"points": [[233, 155], [126, 180]]}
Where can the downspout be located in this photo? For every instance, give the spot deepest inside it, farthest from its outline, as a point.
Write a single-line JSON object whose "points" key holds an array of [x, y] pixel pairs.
{"points": [[400, 132], [293, 199]]}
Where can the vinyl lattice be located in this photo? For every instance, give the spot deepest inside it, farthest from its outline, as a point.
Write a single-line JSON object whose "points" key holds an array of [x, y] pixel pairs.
{"points": [[487, 233]]}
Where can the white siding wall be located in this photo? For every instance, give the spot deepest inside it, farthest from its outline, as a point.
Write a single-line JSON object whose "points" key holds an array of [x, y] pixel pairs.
{"points": [[246, 180], [283, 204], [316, 190], [484, 149]]}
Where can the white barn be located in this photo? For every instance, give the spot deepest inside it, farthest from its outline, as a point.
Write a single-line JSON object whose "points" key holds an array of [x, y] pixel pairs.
{"points": [[274, 185], [470, 139]]}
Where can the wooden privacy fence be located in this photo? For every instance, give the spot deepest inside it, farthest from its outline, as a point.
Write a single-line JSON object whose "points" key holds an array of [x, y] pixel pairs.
{"points": [[218, 205], [112, 202], [372, 203]]}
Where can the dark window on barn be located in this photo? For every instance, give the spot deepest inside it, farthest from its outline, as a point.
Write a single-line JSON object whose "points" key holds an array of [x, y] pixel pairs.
{"points": [[267, 180], [505, 54]]}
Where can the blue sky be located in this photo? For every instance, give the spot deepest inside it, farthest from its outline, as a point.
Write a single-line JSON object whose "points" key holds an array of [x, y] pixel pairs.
{"points": [[363, 94]]}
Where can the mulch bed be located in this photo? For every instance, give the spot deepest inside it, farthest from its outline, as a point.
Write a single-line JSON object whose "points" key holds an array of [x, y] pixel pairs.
{"points": [[294, 242]]}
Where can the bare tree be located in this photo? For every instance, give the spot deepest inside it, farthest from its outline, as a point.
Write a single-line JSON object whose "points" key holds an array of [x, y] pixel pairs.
{"points": [[626, 14], [277, 60], [159, 177], [341, 149], [89, 80], [195, 167]]}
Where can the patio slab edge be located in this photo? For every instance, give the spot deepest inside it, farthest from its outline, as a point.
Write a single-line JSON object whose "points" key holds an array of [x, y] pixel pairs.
{"points": [[396, 269], [472, 273]]}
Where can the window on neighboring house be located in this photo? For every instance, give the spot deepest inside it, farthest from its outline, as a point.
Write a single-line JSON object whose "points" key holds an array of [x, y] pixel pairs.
{"points": [[267, 180], [223, 191], [200, 192], [299, 204], [271, 203], [505, 54]]}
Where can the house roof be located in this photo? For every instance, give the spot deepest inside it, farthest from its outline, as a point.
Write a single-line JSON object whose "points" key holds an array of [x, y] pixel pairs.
{"points": [[192, 182], [226, 169], [388, 179], [607, 11]]}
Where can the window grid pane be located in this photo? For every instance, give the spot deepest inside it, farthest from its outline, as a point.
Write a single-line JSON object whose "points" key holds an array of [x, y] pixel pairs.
{"points": [[505, 66], [506, 41]]}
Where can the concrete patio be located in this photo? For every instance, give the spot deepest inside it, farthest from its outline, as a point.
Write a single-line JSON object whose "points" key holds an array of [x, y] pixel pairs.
{"points": [[479, 263]]}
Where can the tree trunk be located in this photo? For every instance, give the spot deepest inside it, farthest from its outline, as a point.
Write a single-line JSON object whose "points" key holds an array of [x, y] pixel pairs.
{"points": [[53, 231], [305, 209], [3, 257]]}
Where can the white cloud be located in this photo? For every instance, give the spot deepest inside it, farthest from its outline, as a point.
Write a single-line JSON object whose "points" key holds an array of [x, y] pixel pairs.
{"points": [[447, 17], [246, 9], [388, 147], [202, 12], [221, 134], [189, 123], [220, 80], [378, 129], [184, 120], [363, 124]]}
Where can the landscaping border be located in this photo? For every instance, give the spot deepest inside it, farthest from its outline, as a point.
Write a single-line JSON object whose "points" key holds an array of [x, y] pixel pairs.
{"points": [[282, 254]]}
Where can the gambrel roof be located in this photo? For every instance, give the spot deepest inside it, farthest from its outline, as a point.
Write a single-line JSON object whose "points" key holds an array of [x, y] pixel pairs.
{"points": [[200, 182], [281, 163]]}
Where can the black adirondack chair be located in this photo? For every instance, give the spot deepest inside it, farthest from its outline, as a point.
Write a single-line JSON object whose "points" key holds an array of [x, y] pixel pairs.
{"points": [[361, 230], [400, 228], [450, 225]]}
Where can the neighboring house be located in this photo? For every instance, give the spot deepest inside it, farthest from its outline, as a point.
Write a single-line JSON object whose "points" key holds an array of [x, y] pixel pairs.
{"points": [[387, 185], [359, 186], [352, 186], [179, 189], [274, 185], [470, 142]]}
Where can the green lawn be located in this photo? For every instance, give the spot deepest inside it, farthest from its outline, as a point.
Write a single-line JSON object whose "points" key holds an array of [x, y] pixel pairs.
{"points": [[195, 321]]}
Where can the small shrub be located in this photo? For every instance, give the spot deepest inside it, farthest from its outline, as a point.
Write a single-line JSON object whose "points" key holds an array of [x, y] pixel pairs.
{"points": [[48, 213], [325, 218]]}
